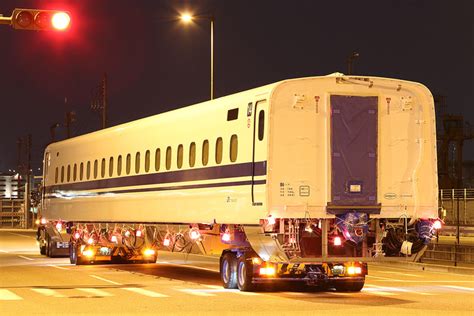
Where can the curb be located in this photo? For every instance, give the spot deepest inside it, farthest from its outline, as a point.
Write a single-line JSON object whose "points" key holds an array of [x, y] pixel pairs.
{"points": [[431, 267]]}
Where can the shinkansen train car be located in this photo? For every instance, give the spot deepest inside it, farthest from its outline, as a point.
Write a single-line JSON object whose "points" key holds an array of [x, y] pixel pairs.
{"points": [[301, 180]]}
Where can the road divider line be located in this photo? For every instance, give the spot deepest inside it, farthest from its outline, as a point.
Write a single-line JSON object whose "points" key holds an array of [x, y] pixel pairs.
{"points": [[26, 258], [217, 288], [6, 295], [21, 235], [57, 267], [197, 292], [384, 278], [399, 273], [95, 292], [105, 280], [378, 292], [462, 288], [3, 251], [144, 292], [48, 292]]}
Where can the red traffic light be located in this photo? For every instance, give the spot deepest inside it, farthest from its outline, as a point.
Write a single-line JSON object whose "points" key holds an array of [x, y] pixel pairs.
{"points": [[40, 20]]}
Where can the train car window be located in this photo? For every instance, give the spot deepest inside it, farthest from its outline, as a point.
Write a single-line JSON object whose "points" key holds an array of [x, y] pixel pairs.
{"points": [[192, 154], [180, 156], [168, 158], [128, 164], [88, 173], [68, 173], [62, 174], [233, 148], [233, 114], [96, 168], [157, 159], [74, 173], [205, 152], [219, 150], [102, 168], [56, 175], [137, 162], [81, 171], [119, 165], [261, 124], [111, 166], [147, 161]]}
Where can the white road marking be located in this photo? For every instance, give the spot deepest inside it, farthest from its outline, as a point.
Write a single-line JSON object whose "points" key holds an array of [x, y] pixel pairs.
{"points": [[6, 295], [216, 288], [462, 288], [26, 258], [99, 278], [48, 292], [396, 289], [383, 278], [144, 292], [21, 235], [399, 273], [197, 292], [95, 292], [378, 292], [3, 251], [190, 266], [57, 267]]}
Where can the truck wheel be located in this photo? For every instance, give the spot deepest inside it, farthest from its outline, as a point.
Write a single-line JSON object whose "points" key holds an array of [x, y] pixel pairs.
{"points": [[228, 270], [72, 253], [245, 274], [349, 286], [48, 246], [43, 249]]}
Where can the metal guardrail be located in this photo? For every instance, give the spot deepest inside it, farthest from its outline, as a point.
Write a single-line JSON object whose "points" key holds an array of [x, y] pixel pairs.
{"points": [[452, 254], [458, 205]]}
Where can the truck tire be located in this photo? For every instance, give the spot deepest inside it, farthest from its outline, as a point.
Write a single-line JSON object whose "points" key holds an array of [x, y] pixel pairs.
{"points": [[349, 286], [228, 270], [72, 253], [48, 245], [245, 274], [43, 249]]}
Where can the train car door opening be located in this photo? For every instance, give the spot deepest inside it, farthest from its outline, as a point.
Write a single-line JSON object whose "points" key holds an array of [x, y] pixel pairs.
{"points": [[259, 147], [353, 151]]}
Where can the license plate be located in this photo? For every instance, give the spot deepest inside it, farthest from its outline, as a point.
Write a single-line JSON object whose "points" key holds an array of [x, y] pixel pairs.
{"points": [[62, 244]]}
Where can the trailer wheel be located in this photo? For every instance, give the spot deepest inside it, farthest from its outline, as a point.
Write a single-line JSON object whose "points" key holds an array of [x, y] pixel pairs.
{"points": [[245, 274], [72, 253], [43, 249], [228, 270], [349, 286]]}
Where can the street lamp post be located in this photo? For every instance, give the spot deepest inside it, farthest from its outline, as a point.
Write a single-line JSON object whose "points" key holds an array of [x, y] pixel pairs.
{"points": [[186, 18]]}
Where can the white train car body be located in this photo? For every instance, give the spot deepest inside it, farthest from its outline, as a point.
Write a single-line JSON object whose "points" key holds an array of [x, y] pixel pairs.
{"points": [[271, 162]]}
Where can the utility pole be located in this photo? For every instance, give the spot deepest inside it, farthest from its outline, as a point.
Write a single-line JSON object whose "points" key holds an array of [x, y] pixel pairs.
{"points": [[52, 131], [350, 61], [99, 101], [70, 118], [27, 196]]}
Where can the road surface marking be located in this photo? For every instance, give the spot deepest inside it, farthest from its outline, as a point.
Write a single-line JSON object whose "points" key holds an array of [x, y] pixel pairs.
{"points": [[190, 266], [378, 292], [48, 292], [217, 288], [396, 289], [385, 279], [26, 258], [144, 292], [399, 273], [6, 295], [57, 267], [98, 277], [3, 251], [462, 288], [21, 235], [95, 292], [197, 292]]}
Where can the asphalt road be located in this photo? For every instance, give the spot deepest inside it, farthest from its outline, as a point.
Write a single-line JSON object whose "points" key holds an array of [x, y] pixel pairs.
{"points": [[31, 284]]}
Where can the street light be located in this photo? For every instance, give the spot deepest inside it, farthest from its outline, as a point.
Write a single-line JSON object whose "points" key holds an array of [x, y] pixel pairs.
{"points": [[350, 61], [187, 18]]}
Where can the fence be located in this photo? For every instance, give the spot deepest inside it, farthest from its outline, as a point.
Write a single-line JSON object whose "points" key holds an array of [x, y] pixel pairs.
{"points": [[459, 206], [12, 214]]}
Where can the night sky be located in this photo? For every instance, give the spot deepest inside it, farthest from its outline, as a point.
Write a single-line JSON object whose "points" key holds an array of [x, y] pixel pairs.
{"points": [[155, 63]]}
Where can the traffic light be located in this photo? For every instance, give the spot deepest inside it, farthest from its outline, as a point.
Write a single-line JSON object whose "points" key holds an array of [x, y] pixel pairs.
{"points": [[40, 20]]}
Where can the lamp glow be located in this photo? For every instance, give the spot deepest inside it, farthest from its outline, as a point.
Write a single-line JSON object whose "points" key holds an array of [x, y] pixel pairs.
{"points": [[186, 17], [60, 21]]}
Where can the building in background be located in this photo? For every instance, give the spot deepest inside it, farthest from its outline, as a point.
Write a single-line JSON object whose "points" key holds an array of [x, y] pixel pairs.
{"points": [[11, 186]]}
